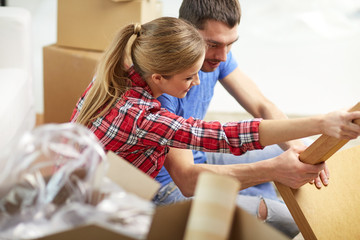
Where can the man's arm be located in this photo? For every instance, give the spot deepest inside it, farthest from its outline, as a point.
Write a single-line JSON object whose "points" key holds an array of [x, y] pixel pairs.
{"points": [[249, 96], [285, 168]]}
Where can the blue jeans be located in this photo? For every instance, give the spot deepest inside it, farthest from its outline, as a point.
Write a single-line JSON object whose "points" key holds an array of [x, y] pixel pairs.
{"points": [[248, 199], [278, 216]]}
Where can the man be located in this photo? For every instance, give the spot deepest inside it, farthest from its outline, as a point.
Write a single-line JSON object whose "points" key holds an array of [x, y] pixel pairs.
{"points": [[217, 21]]}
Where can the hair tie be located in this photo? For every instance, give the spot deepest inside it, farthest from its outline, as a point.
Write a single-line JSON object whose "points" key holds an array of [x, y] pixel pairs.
{"points": [[137, 28]]}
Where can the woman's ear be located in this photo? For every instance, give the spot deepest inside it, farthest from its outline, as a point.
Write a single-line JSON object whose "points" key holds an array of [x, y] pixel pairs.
{"points": [[156, 78]]}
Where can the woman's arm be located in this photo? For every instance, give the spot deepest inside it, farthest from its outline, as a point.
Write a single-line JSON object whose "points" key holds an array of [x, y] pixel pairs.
{"points": [[337, 124]]}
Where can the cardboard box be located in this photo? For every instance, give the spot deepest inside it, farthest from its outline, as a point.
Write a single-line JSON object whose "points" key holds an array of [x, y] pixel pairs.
{"points": [[169, 222], [91, 24], [67, 73]]}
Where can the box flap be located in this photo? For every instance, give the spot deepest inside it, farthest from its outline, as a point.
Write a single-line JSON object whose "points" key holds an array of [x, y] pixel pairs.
{"points": [[131, 178], [169, 222], [248, 227], [88, 232]]}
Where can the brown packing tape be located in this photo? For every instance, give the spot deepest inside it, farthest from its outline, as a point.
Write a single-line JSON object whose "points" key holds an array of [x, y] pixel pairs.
{"points": [[213, 207]]}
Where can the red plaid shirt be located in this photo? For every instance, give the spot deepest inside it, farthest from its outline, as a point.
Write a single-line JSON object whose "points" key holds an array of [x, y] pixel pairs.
{"points": [[140, 131]]}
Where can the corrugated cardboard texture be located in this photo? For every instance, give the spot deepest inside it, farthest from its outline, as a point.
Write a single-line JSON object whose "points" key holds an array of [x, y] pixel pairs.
{"points": [[67, 73]]}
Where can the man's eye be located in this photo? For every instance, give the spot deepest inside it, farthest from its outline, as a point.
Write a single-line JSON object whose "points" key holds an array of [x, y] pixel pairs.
{"points": [[189, 78], [212, 45]]}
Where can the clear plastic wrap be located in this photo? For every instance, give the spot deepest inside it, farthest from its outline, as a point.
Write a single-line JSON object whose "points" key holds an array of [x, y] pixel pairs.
{"points": [[55, 180]]}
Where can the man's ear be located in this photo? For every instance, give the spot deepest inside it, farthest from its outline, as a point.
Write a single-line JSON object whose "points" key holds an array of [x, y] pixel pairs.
{"points": [[156, 78]]}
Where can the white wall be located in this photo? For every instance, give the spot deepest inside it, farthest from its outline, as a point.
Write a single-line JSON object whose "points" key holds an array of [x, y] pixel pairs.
{"points": [[304, 55], [44, 17]]}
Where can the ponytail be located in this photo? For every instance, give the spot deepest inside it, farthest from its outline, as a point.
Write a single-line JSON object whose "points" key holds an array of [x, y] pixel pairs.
{"points": [[166, 46], [111, 80]]}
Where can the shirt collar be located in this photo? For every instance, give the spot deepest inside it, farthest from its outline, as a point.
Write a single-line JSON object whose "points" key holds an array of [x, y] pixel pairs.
{"points": [[138, 81]]}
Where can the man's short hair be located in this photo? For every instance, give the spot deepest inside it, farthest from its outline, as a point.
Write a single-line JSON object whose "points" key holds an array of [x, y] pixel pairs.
{"points": [[198, 11]]}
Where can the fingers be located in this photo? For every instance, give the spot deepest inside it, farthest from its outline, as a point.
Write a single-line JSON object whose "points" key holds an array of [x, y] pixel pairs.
{"points": [[351, 130], [354, 115], [322, 178], [340, 124], [314, 169], [294, 173], [313, 174]]}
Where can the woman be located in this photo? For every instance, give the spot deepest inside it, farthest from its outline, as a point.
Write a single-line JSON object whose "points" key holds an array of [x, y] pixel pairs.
{"points": [[120, 105]]}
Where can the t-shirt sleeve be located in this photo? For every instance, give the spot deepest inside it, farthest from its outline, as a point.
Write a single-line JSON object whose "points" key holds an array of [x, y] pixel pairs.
{"points": [[228, 67], [168, 102]]}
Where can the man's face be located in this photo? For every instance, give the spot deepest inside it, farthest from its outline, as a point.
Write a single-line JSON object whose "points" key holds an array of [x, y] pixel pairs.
{"points": [[219, 38]]}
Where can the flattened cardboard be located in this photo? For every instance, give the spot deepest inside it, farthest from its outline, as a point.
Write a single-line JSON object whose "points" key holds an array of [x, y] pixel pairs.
{"points": [[312, 218], [67, 73], [331, 212]]}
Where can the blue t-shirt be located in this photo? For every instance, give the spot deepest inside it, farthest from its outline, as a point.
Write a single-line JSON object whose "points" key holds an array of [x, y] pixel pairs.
{"points": [[195, 104]]}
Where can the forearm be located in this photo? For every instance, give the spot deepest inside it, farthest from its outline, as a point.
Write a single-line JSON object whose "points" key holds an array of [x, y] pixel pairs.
{"points": [[278, 131], [268, 110], [185, 173], [247, 174]]}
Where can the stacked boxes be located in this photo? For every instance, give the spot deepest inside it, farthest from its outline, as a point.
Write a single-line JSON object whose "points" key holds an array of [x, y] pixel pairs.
{"points": [[85, 28]]}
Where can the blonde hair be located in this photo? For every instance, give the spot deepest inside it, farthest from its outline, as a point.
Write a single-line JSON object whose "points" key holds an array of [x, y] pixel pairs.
{"points": [[166, 46]]}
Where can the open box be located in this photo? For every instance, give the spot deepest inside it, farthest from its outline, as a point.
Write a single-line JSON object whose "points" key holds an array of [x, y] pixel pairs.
{"points": [[169, 222]]}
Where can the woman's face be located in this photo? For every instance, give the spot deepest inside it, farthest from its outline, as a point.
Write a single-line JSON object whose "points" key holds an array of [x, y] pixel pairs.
{"points": [[179, 84]]}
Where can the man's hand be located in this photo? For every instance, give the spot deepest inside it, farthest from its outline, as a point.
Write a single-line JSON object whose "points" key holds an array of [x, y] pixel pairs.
{"points": [[290, 171], [323, 178]]}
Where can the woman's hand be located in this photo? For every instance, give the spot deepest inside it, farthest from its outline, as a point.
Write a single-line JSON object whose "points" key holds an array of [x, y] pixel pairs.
{"points": [[339, 124]]}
